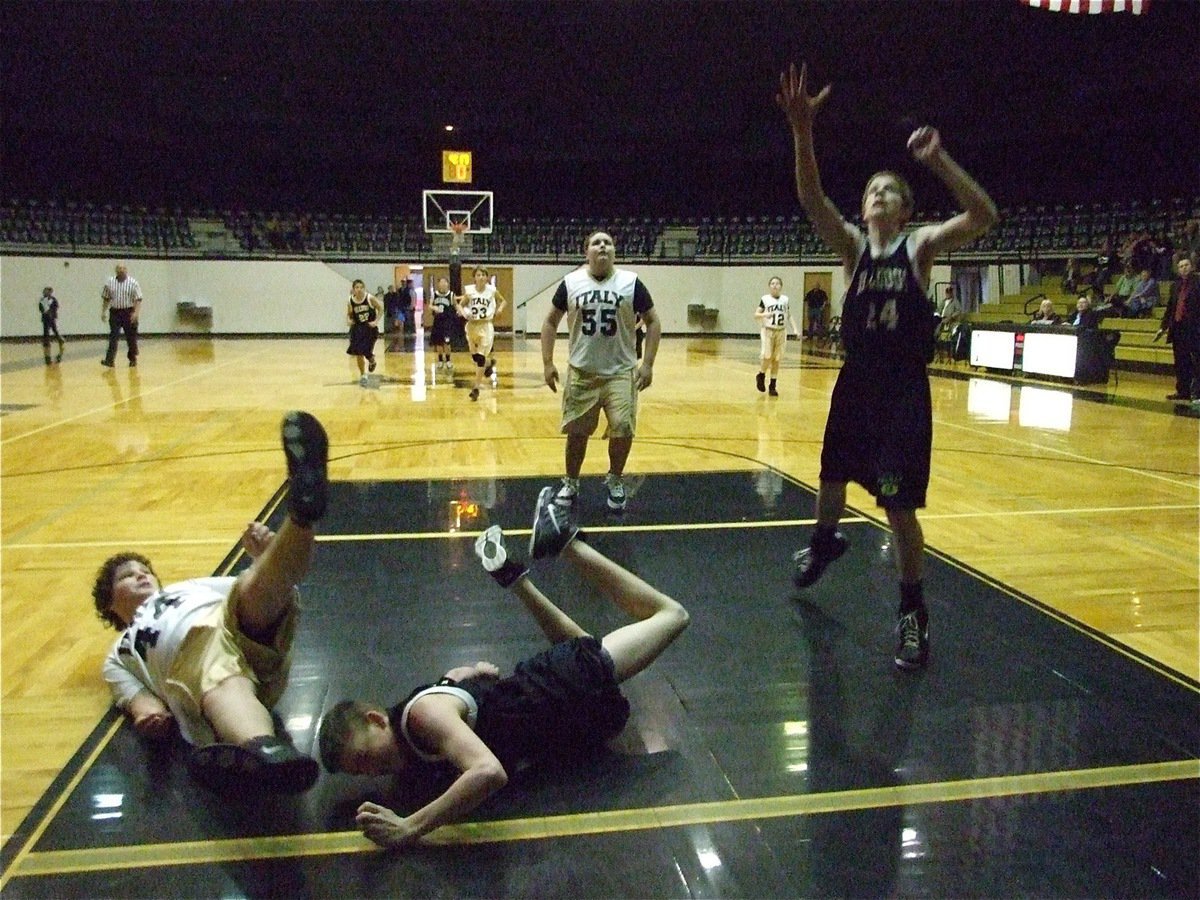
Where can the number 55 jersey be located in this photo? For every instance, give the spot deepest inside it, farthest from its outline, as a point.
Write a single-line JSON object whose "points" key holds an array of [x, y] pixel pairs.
{"points": [[601, 319]]}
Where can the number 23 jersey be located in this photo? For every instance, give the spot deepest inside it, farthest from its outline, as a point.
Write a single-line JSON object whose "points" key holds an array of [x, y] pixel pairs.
{"points": [[601, 319]]}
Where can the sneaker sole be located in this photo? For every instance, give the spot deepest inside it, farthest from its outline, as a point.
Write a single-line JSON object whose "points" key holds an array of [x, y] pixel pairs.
{"points": [[306, 447], [490, 540]]}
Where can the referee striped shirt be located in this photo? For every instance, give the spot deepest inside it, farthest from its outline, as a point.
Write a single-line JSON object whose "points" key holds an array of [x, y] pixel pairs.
{"points": [[121, 294]]}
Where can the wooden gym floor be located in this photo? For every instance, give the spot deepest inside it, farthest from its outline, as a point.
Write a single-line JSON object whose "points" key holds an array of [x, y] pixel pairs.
{"points": [[779, 752]]}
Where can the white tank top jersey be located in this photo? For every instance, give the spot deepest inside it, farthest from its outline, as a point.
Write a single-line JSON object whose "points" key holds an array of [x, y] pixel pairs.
{"points": [[142, 656], [601, 318], [776, 309], [481, 305]]}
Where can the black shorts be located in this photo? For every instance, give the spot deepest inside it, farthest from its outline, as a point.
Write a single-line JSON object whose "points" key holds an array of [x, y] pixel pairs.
{"points": [[362, 339], [443, 329], [880, 434], [562, 702]]}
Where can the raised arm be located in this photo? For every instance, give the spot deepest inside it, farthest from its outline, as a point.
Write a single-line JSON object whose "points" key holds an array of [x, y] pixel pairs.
{"points": [[979, 212], [800, 108]]}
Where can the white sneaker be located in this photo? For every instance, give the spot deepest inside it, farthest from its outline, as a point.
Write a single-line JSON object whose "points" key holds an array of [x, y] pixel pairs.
{"points": [[616, 491], [567, 492]]}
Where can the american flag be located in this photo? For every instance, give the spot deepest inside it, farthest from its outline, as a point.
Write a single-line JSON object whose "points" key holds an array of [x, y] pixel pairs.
{"points": [[1137, 7]]}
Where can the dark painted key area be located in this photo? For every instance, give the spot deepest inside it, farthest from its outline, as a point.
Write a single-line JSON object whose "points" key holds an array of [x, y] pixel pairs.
{"points": [[773, 751]]}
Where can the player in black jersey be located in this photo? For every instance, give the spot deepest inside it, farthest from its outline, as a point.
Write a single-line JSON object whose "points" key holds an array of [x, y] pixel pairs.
{"points": [[880, 427]]}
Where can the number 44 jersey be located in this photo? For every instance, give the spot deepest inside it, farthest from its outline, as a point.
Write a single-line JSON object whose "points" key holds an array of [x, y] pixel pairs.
{"points": [[601, 319]]}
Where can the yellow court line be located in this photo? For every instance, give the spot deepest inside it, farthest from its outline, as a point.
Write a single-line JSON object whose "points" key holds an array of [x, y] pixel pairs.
{"points": [[590, 529], [58, 862], [26, 848], [601, 529]]}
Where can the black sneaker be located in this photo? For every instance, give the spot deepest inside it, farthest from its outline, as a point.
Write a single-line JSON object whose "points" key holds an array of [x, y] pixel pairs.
{"points": [[912, 640], [812, 560], [760, 381], [771, 389], [107, 363], [552, 528], [265, 763], [306, 447], [474, 395]]}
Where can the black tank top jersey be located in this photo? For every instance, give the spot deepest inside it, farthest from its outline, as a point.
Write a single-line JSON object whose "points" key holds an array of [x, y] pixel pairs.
{"points": [[363, 313], [442, 304], [887, 321]]}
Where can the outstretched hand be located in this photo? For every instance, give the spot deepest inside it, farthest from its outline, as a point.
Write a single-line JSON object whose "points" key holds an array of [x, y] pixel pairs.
{"points": [[383, 826], [793, 97], [925, 143]]}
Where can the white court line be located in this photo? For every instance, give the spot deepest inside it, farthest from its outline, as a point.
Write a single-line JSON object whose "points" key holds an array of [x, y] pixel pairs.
{"points": [[99, 409], [1061, 452]]}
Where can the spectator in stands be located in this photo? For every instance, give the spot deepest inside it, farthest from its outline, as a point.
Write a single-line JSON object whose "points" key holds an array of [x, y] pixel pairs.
{"points": [[1046, 315], [1070, 281], [1191, 240], [120, 302], [1084, 316], [815, 302], [1118, 299], [48, 307], [1144, 297], [1181, 324], [951, 313]]}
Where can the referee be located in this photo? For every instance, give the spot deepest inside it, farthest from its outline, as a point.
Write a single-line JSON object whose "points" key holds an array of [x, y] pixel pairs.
{"points": [[121, 298]]}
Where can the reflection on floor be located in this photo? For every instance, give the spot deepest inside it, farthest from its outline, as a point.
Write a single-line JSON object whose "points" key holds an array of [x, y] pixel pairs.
{"points": [[774, 751]]}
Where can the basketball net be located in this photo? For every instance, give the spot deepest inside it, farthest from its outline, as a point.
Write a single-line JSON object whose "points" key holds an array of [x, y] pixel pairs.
{"points": [[457, 230]]}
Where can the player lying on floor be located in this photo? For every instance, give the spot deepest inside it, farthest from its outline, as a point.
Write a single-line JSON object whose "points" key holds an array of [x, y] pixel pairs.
{"points": [[558, 703], [212, 654]]}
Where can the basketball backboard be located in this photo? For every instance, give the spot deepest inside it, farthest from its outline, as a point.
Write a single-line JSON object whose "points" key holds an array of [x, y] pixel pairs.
{"points": [[441, 209]]}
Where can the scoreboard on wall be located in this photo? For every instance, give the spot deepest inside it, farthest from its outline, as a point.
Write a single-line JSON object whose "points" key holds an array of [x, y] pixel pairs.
{"points": [[456, 166]]}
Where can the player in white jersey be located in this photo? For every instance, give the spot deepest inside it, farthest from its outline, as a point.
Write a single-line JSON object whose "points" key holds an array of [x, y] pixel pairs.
{"points": [[880, 427], [773, 317], [480, 304], [601, 304], [212, 654]]}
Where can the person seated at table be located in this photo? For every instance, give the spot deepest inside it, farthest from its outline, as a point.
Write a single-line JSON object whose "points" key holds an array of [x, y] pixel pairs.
{"points": [[1046, 315], [1084, 316]]}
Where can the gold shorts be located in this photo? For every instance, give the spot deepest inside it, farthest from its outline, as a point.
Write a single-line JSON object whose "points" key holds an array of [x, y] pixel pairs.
{"points": [[585, 394], [481, 334], [773, 341], [216, 649]]}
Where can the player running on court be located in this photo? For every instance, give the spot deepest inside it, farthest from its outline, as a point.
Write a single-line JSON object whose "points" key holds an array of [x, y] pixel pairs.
{"points": [[480, 305]]}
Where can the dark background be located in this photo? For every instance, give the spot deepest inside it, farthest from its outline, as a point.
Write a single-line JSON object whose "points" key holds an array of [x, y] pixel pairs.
{"points": [[635, 107]]}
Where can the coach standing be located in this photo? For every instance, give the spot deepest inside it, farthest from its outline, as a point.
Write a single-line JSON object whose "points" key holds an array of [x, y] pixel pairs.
{"points": [[121, 299]]}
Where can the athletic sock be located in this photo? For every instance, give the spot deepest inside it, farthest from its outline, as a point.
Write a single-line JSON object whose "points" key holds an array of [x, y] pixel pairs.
{"points": [[912, 597]]}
